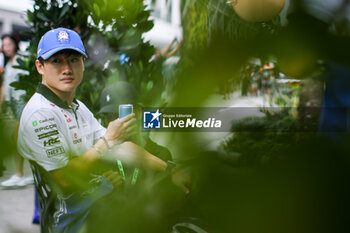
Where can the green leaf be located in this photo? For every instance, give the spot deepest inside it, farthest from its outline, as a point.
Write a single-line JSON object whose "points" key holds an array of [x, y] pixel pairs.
{"points": [[30, 16], [97, 10], [64, 11], [43, 17], [21, 67]]}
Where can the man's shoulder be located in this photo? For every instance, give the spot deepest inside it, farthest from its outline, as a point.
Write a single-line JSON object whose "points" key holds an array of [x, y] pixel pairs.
{"points": [[38, 104], [38, 101]]}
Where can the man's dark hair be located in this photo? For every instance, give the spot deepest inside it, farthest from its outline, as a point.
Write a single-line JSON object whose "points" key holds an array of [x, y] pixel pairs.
{"points": [[67, 52]]}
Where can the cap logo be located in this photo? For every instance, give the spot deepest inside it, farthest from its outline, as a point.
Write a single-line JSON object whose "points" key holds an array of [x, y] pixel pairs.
{"points": [[108, 98], [63, 37]]}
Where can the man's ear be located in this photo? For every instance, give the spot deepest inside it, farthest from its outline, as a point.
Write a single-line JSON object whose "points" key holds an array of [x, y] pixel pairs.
{"points": [[84, 63], [39, 67]]}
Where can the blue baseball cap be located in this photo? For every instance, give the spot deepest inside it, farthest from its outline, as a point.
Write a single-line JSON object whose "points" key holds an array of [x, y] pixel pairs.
{"points": [[59, 39]]}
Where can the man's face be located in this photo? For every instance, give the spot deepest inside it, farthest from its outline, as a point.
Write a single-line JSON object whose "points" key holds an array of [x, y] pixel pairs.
{"points": [[62, 72]]}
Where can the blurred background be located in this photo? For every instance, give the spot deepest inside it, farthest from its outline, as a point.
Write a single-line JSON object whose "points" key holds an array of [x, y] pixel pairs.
{"points": [[284, 64]]}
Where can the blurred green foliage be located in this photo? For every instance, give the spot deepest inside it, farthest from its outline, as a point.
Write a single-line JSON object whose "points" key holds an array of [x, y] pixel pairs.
{"points": [[258, 140], [283, 181], [112, 34], [195, 30]]}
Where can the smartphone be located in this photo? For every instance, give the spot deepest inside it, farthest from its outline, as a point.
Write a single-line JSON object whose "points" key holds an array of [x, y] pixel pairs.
{"points": [[125, 109]]}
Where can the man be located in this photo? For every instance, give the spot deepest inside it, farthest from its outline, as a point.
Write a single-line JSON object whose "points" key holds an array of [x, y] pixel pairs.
{"points": [[119, 93], [62, 137]]}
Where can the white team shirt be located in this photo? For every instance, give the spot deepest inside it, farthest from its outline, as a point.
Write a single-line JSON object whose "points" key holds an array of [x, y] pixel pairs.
{"points": [[51, 132]]}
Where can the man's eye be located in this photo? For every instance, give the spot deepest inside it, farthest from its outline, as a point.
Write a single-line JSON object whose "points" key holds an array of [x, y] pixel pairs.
{"points": [[56, 60], [75, 59]]}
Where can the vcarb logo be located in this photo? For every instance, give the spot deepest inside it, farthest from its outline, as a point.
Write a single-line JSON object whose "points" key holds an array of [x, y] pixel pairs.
{"points": [[51, 141], [151, 120], [55, 151], [47, 127]]}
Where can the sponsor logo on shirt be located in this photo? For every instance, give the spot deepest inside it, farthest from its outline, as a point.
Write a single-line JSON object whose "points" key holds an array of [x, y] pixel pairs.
{"points": [[89, 136], [34, 123], [51, 141], [48, 134], [67, 118], [47, 127], [55, 151], [46, 120], [85, 124], [77, 141], [73, 127]]}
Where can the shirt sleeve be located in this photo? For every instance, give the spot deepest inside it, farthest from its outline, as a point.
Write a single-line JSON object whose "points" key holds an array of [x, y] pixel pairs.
{"points": [[98, 129], [41, 139]]}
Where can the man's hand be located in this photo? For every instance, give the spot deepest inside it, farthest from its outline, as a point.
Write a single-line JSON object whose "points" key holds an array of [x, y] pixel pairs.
{"points": [[134, 155], [113, 177], [181, 180], [122, 129]]}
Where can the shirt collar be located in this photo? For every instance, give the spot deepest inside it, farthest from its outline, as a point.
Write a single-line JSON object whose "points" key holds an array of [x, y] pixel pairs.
{"points": [[48, 94]]}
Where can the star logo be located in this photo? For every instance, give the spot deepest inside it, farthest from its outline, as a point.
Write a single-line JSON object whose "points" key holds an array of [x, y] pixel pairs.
{"points": [[152, 120], [156, 115]]}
